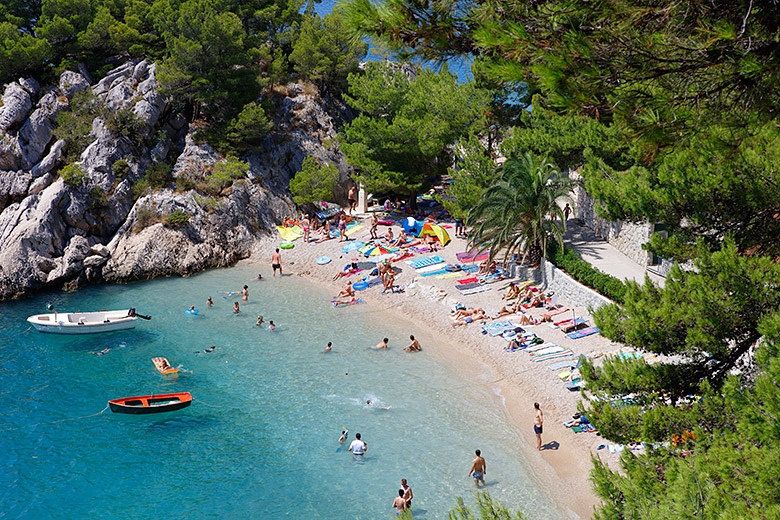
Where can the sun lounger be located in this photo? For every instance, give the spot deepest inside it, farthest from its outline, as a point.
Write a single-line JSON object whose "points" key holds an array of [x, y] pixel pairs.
{"points": [[423, 262], [555, 355], [470, 285], [476, 290], [555, 312], [584, 332]]}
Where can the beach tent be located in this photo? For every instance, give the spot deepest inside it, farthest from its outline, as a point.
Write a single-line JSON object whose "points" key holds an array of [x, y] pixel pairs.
{"points": [[435, 231], [412, 226]]}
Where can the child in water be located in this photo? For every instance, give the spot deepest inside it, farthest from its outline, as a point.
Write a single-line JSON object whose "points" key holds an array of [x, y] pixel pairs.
{"points": [[235, 308]]}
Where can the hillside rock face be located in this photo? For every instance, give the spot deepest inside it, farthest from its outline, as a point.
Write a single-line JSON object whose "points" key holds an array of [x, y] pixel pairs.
{"points": [[57, 234]]}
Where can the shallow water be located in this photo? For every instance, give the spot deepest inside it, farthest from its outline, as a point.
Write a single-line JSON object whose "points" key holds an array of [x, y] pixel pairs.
{"points": [[261, 438]]}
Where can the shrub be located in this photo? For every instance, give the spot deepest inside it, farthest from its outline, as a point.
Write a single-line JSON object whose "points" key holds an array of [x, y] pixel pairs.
{"points": [[145, 217], [228, 171], [122, 122], [97, 199], [185, 184], [74, 126], [176, 219], [159, 175], [247, 131], [120, 168], [72, 174], [314, 183], [586, 274]]}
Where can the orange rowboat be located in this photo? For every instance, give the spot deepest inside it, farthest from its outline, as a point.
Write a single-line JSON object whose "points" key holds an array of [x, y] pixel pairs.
{"points": [[165, 368], [151, 403]]}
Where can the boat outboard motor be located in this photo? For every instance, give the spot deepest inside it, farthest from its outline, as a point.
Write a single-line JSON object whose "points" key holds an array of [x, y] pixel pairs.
{"points": [[132, 313]]}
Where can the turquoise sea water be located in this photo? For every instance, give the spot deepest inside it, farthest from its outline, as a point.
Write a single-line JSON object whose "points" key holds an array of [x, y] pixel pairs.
{"points": [[261, 438]]}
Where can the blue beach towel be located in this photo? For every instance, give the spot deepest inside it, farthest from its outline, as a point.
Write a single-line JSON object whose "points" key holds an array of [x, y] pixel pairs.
{"points": [[416, 264], [584, 332], [434, 272], [498, 325], [470, 268]]}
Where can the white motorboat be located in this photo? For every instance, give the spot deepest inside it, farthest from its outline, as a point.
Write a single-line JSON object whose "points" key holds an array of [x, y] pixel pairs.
{"points": [[85, 322]]}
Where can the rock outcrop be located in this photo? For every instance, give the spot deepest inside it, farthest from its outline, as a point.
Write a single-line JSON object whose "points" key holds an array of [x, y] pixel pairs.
{"points": [[65, 234]]}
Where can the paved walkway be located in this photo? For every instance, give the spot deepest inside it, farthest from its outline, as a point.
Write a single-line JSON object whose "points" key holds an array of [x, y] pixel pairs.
{"points": [[602, 255]]}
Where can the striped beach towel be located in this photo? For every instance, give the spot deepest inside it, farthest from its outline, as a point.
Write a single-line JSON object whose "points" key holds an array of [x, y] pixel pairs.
{"points": [[423, 262], [556, 355], [584, 332], [431, 268]]}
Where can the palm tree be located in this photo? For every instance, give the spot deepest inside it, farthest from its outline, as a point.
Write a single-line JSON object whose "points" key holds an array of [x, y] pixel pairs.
{"points": [[515, 213]]}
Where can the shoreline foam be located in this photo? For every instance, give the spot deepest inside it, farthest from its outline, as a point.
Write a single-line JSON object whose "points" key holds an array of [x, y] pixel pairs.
{"points": [[563, 467]]}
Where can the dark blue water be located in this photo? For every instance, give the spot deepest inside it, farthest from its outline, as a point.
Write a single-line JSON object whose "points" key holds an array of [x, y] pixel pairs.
{"points": [[260, 441]]}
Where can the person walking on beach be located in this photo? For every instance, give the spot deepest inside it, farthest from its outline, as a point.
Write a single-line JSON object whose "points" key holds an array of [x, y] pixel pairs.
{"points": [[566, 212], [343, 228], [538, 422], [358, 447], [374, 224], [352, 199], [305, 223], [408, 495], [478, 469], [276, 262]]}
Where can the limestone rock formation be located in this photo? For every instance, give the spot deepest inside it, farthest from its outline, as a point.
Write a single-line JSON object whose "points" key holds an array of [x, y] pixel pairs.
{"points": [[65, 234]]}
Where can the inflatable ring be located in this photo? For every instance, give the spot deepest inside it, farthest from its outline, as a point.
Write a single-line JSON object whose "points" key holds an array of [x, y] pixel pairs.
{"points": [[359, 286], [286, 245], [194, 312], [323, 260], [452, 268]]}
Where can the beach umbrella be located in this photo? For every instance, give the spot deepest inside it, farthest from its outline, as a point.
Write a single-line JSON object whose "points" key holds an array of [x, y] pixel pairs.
{"points": [[376, 250], [436, 231], [352, 246]]}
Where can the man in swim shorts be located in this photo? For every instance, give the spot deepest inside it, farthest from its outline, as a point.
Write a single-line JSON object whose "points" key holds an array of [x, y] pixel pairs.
{"points": [[478, 469], [538, 422], [358, 447], [408, 495], [381, 344], [352, 199], [276, 262]]}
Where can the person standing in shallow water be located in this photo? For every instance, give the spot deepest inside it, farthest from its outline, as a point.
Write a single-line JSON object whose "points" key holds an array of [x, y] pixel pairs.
{"points": [[538, 422], [276, 262], [478, 469], [408, 495], [235, 308]]}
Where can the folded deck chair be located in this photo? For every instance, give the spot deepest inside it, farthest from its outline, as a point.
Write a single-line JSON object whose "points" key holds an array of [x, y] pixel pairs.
{"points": [[584, 332], [555, 312]]}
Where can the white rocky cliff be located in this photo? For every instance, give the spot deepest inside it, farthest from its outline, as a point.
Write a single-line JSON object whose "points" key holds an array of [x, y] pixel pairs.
{"points": [[64, 234]]}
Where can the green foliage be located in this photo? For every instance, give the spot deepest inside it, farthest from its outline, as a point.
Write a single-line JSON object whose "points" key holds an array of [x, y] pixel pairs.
{"points": [[248, 130], [158, 175], [20, 52], [176, 219], [586, 274], [145, 216], [402, 136], [487, 509], [324, 52], [74, 126], [72, 174], [120, 168], [227, 171], [475, 172], [314, 183], [97, 199], [515, 212], [122, 122]]}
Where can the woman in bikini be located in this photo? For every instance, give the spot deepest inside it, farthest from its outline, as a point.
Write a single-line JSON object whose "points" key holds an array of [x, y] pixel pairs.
{"points": [[305, 223]]}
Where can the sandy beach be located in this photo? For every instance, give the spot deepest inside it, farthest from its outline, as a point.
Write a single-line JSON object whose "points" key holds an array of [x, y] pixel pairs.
{"points": [[564, 463]]}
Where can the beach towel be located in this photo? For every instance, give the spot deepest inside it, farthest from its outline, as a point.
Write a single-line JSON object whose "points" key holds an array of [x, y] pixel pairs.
{"points": [[468, 280], [497, 325], [469, 285], [562, 364], [554, 355], [327, 213], [500, 330], [469, 256], [475, 290], [584, 332], [544, 346], [422, 262], [290, 233], [470, 268], [353, 229], [556, 312], [448, 275], [561, 322], [545, 349], [570, 325], [433, 273], [431, 268]]}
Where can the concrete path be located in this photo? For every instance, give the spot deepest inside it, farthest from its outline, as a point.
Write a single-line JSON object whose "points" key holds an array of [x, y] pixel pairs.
{"points": [[603, 256]]}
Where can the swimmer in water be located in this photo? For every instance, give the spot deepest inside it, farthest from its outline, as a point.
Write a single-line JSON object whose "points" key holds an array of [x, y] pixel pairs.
{"points": [[235, 308], [344, 435], [102, 352], [259, 276], [260, 320], [329, 347], [271, 325], [245, 293], [372, 405], [209, 301], [192, 308], [381, 345]]}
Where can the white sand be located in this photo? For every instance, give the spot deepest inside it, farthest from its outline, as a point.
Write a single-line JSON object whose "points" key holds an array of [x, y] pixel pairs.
{"points": [[563, 466]]}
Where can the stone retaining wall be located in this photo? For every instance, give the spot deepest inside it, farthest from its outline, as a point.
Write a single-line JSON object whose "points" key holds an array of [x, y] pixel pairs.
{"points": [[572, 292]]}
